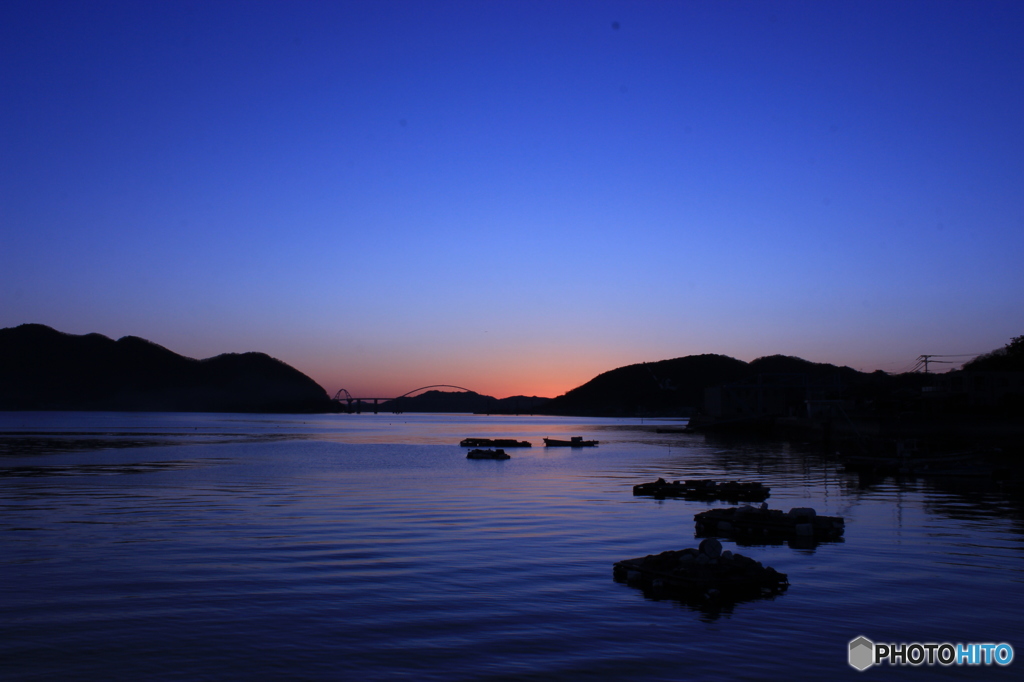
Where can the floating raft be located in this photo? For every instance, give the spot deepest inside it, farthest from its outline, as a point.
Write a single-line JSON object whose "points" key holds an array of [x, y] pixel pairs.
{"points": [[574, 442], [703, 489], [494, 443], [750, 523], [487, 454], [705, 573]]}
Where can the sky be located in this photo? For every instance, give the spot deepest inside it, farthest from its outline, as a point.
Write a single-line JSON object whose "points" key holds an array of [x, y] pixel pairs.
{"points": [[513, 197]]}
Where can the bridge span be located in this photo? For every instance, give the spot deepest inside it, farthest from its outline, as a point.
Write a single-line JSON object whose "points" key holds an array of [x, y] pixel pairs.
{"points": [[344, 396]]}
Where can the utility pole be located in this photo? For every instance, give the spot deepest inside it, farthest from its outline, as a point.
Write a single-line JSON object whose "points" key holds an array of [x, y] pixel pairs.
{"points": [[928, 358]]}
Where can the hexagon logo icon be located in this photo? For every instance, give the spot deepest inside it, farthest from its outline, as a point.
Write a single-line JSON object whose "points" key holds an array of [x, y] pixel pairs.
{"points": [[862, 653]]}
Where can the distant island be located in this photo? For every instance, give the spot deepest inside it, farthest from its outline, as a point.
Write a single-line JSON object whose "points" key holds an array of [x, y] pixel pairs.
{"points": [[44, 369], [463, 401]]}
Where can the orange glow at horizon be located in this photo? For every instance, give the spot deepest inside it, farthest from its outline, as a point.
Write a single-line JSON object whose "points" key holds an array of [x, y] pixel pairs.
{"points": [[547, 377]]}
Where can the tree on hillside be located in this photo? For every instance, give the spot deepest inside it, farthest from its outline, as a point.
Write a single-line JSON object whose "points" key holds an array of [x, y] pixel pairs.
{"points": [[1016, 346], [1009, 358]]}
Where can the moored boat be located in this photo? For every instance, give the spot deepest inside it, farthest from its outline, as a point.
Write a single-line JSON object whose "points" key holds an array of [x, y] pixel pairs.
{"points": [[574, 442]]}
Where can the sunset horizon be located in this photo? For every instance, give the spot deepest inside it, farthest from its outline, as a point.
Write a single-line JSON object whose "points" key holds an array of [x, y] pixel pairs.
{"points": [[515, 197], [395, 388]]}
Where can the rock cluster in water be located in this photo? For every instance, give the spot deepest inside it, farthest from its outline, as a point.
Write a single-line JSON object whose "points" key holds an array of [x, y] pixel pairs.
{"points": [[706, 572], [488, 454], [494, 442], [747, 521], [704, 489]]}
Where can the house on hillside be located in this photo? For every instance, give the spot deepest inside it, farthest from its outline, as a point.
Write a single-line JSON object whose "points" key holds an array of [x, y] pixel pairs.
{"points": [[982, 389], [771, 395]]}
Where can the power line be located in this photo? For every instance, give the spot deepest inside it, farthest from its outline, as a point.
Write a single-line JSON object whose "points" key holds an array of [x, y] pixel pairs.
{"points": [[926, 359], [961, 355]]}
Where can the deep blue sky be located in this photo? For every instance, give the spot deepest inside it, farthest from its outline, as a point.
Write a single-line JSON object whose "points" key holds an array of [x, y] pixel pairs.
{"points": [[515, 196]]}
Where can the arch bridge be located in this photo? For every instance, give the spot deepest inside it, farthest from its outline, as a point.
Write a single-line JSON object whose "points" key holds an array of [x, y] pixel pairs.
{"points": [[344, 396]]}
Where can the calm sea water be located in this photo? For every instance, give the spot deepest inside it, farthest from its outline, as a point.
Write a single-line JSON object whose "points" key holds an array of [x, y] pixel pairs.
{"points": [[200, 546]]}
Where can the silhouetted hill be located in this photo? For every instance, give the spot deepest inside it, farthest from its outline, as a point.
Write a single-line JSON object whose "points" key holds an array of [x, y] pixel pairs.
{"points": [[520, 404], [664, 387], [466, 401], [674, 387], [44, 369], [787, 364]]}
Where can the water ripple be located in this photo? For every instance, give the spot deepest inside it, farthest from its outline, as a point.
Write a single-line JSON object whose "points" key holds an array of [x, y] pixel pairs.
{"points": [[335, 554]]}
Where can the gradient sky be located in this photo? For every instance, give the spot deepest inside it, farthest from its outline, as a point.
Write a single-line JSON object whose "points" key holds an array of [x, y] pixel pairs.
{"points": [[515, 196]]}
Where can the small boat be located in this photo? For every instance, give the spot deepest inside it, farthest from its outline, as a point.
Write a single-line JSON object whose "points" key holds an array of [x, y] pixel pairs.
{"points": [[488, 454], [494, 443], [752, 523], [705, 573], [574, 442], [704, 489]]}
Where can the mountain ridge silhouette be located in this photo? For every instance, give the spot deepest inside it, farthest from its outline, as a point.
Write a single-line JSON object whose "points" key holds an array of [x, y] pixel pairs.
{"points": [[45, 369]]}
